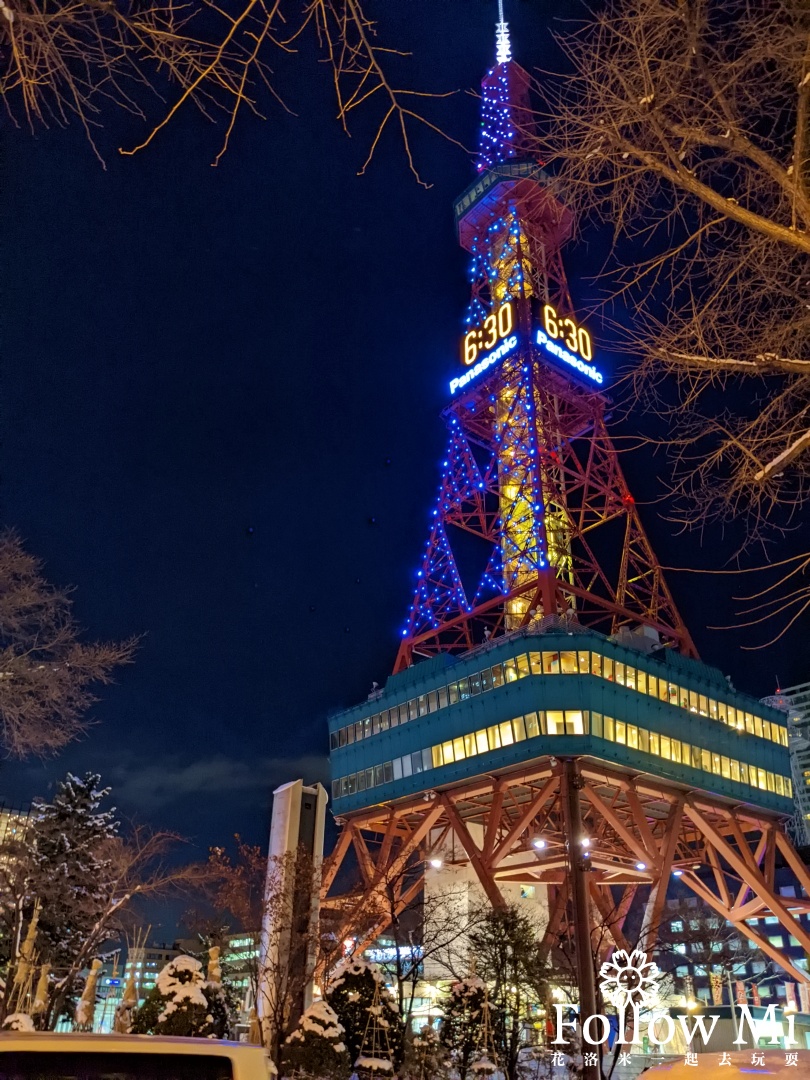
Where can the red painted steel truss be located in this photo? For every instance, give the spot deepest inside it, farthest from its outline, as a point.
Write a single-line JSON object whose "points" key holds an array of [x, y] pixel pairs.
{"points": [[725, 853], [566, 460]]}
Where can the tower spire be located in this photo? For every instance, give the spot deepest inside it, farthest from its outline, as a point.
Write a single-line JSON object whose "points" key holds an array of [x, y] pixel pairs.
{"points": [[503, 46]]}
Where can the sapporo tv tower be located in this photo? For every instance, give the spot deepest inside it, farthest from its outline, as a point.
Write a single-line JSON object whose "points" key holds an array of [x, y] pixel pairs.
{"points": [[549, 735]]}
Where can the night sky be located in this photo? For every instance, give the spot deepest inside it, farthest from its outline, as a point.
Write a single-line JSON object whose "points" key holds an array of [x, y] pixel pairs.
{"points": [[220, 403]]}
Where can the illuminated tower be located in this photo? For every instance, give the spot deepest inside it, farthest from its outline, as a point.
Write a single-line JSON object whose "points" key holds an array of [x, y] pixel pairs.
{"points": [[548, 729]]}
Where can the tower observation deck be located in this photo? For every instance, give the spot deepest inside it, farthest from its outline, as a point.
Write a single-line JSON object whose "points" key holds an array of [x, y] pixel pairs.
{"points": [[548, 721]]}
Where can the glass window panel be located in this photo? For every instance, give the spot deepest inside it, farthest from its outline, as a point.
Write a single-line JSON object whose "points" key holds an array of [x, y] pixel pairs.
{"points": [[470, 749], [574, 723], [619, 673], [493, 737], [333, 740], [358, 731], [584, 663], [497, 675], [536, 663], [788, 787], [771, 782], [403, 713], [644, 740], [705, 761], [609, 728], [416, 761], [783, 736], [713, 709], [336, 789], [722, 714], [506, 733], [551, 663], [703, 705], [350, 734], [519, 729], [352, 783], [532, 727], [379, 775], [407, 765], [453, 692], [481, 741], [393, 717], [757, 725], [541, 720], [679, 695], [384, 721], [445, 755], [652, 685], [641, 682], [607, 668], [663, 690], [523, 665], [388, 772], [766, 729], [731, 716], [433, 701], [716, 764], [568, 663], [675, 750], [463, 689], [342, 735], [749, 722], [632, 736], [413, 709], [693, 701], [443, 698], [621, 732], [725, 767], [666, 746], [697, 761], [486, 680], [744, 774], [427, 763], [361, 780], [630, 677], [376, 723], [655, 743], [475, 684], [555, 722], [458, 749], [344, 785], [735, 770], [397, 764], [596, 724], [510, 671], [596, 664]]}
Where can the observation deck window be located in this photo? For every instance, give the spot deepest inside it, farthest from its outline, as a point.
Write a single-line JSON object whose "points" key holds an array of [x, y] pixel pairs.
{"points": [[475, 685], [510, 671], [497, 675], [551, 663], [536, 663], [523, 665], [568, 663], [506, 733]]}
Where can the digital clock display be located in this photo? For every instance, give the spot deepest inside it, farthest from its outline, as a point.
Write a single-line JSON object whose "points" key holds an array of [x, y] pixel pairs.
{"points": [[575, 338], [486, 335]]}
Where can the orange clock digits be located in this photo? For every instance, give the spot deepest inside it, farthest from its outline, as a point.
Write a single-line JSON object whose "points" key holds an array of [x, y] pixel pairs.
{"points": [[576, 338], [495, 327]]}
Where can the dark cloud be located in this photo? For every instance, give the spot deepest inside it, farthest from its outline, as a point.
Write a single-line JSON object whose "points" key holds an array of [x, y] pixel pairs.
{"points": [[150, 786]]}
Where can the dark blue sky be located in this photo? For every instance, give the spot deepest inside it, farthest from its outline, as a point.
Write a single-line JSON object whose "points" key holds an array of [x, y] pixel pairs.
{"points": [[219, 405]]}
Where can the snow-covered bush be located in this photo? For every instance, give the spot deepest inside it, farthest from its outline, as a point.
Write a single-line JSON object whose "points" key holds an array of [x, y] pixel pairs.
{"points": [[425, 1057], [183, 1002], [18, 1022], [316, 1048], [352, 996]]}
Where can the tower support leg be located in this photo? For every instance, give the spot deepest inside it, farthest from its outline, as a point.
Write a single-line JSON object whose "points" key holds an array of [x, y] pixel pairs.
{"points": [[586, 976]]}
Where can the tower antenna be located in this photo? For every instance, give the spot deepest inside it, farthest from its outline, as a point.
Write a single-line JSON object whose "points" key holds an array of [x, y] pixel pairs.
{"points": [[503, 46]]}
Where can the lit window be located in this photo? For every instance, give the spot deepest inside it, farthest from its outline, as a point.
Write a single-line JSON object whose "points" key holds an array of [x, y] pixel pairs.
{"points": [[506, 733], [481, 741], [494, 736], [555, 722], [519, 729]]}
